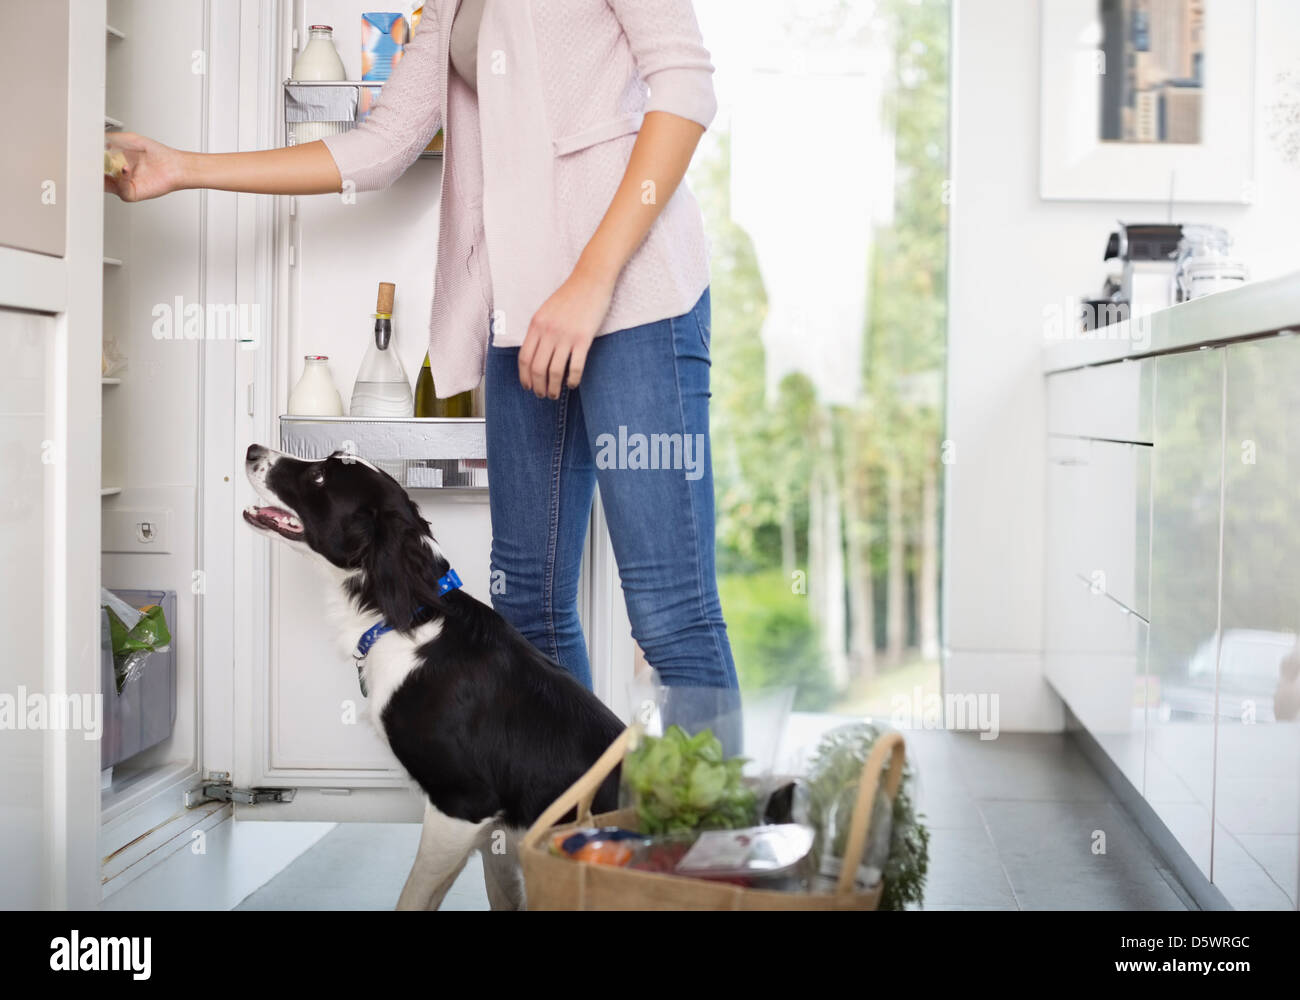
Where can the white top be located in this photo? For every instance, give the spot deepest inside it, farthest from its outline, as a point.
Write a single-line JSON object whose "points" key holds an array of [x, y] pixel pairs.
{"points": [[464, 41]]}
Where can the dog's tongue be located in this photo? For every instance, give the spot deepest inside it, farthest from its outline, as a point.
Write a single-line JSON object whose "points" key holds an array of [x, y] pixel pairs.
{"points": [[276, 517]]}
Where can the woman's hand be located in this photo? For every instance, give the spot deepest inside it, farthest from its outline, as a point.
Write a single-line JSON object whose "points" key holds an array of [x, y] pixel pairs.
{"points": [[561, 333], [151, 170]]}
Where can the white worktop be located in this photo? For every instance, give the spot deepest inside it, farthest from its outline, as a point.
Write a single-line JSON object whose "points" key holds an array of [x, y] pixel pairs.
{"points": [[1256, 309]]}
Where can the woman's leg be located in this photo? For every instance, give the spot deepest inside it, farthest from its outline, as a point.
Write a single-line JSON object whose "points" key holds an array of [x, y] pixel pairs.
{"points": [[541, 481], [645, 403]]}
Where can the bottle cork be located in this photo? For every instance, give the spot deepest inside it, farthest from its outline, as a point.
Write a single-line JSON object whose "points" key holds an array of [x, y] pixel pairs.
{"points": [[385, 302]]}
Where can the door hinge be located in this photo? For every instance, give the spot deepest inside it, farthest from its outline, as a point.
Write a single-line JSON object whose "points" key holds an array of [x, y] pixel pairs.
{"points": [[221, 790]]}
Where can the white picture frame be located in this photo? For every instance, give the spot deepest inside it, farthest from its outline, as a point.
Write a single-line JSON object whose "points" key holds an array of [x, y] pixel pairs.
{"points": [[1077, 165]]}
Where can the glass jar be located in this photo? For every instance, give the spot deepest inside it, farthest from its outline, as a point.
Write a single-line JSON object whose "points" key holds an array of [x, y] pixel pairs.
{"points": [[1207, 275], [1204, 262]]}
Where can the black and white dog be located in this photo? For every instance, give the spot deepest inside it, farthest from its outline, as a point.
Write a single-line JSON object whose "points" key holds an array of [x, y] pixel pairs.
{"points": [[491, 729]]}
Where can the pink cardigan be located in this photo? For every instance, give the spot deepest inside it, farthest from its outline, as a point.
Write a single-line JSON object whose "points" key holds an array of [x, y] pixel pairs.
{"points": [[531, 164]]}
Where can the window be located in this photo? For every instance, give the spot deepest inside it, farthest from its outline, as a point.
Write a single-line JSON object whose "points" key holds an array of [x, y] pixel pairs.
{"points": [[824, 188]]}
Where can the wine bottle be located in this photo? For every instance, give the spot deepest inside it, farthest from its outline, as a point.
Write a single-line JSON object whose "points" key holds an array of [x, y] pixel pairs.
{"points": [[426, 400], [427, 403]]}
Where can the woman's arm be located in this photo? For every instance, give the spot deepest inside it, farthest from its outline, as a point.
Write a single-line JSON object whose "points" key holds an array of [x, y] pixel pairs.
{"points": [[672, 60], [368, 157], [153, 169]]}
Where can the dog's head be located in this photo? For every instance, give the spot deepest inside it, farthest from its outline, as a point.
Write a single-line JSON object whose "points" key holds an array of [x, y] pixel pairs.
{"points": [[355, 518]]}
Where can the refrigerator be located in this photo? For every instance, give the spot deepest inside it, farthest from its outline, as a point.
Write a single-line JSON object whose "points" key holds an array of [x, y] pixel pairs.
{"points": [[135, 481]]}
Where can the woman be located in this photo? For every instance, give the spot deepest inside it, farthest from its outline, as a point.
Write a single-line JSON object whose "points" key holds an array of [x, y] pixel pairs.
{"points": [[572, 275]]}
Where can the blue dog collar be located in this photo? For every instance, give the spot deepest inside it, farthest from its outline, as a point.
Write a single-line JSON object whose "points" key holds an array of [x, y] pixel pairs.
{"points": [[448, 581]]}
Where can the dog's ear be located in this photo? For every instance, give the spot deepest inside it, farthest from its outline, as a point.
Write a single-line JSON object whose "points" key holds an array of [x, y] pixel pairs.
{"points": [[359, 535], [398, 569]]}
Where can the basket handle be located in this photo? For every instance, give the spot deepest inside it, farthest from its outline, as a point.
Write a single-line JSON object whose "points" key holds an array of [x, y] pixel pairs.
{"points": [[583, 791], [860, 824]]}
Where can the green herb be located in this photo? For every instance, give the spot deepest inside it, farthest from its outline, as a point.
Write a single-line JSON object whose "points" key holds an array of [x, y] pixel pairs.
{"points": [[837, 766], [681, 783]]}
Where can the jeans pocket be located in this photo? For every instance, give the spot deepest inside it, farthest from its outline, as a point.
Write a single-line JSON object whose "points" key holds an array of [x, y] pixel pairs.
{"points": [[703, 323]]}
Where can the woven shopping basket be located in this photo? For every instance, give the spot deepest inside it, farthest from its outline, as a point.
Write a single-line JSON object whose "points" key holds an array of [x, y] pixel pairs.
{"points": [[559, 883]]}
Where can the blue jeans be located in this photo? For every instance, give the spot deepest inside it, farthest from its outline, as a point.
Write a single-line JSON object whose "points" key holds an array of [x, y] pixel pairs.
{"points": [[545, 458]]}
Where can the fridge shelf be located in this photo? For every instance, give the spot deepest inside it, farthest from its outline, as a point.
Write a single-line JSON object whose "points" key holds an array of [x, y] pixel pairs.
{"points": [[420, 453], [314, 109]]}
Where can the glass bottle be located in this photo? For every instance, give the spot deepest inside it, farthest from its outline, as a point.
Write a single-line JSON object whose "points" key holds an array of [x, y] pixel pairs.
{"points": [[427, 403], [315, 395], [319, 59], [382, 388], [426, 398]]}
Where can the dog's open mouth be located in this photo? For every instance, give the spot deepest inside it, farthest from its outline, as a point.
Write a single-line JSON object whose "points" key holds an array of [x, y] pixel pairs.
{"points": [[277, 519]]}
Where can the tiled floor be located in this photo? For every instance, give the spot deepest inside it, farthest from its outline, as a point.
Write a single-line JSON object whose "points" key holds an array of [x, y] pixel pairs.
{"points": [[1019, 823], [1013, 825], [360, 866]]}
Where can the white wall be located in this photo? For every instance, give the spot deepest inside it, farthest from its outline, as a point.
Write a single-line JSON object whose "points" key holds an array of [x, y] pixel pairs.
{"points": [[1012, 255]]}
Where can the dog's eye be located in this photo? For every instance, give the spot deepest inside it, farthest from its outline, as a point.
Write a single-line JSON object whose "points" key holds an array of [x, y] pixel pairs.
{"points": [[318, 477]]}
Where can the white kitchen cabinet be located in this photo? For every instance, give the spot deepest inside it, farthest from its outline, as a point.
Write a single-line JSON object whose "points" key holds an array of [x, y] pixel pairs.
{"points": [[1186, 503], [1095, 643], [27, 343], [1171, 486], [1257, 761], [49, 432], [34, 162], [1097, 552], [1103, 415], [1114, 523], [1109, 402]]}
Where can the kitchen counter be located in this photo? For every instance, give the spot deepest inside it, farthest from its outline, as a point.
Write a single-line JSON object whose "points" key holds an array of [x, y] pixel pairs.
{"points": [[1256, 309], [1171, 572]]}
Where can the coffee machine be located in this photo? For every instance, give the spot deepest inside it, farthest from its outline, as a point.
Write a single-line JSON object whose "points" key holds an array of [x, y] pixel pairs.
{"points": [[1148, 253]]}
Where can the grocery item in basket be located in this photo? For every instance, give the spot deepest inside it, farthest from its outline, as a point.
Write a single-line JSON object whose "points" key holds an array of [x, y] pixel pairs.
{"points": [[756, 851], [681, 783], [897, 846], [609, 845]]}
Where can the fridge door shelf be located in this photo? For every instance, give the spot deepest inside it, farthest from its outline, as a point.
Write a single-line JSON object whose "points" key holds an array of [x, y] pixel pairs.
{"points": [[420, 453], [314, 109]]}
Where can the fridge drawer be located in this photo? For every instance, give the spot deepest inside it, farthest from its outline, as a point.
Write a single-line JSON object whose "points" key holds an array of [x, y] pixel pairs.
{"points": [[143, 714]]}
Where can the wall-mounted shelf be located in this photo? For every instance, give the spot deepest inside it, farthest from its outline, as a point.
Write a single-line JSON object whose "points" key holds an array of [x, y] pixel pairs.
{"points": [[110, 122], [109, 491], [110, 381], [314, 109], [438, 453], [113, 261], [114, 32]]}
